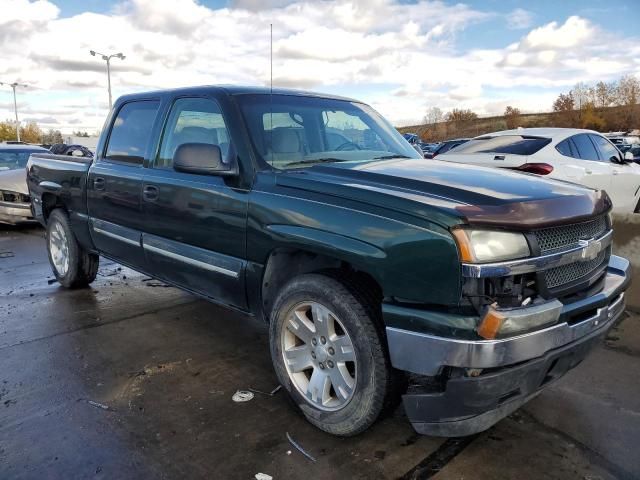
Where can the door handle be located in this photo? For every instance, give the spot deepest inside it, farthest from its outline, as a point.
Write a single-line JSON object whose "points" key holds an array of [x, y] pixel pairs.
{"points": [[150, 193], [588, 172], [98, 183], [616, 172]]}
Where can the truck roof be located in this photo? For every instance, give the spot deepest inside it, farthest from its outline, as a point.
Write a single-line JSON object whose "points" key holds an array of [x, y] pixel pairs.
{"points": [[232, 90]]}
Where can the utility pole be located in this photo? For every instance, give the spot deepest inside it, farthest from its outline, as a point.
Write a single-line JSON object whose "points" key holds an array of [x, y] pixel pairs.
{"points": [[107, 58], [14, 85]]}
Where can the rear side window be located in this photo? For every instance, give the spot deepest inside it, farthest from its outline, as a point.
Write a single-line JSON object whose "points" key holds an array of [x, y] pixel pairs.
{"points": [[131, 132], [585, 147], [192, 120], [513, 144], [606, 149], [566, 149]]}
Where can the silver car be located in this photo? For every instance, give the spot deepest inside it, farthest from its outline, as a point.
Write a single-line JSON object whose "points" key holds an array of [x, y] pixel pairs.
{"points": [[15, 206]]}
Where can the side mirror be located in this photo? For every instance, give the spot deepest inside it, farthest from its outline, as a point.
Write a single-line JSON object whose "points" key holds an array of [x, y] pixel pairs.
{"points": [[428, 155], [628, 156], [203, 159]]}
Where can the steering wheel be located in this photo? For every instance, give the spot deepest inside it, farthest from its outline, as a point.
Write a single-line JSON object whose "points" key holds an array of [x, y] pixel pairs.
{"points": [[343, 146]]}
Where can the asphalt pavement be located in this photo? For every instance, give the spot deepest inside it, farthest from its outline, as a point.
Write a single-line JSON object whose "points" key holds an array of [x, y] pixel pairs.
{"points": [[133, 379]]}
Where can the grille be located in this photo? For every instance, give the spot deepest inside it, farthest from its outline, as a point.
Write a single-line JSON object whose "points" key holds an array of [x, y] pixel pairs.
{"points": [[568, 236], [565, 274]]}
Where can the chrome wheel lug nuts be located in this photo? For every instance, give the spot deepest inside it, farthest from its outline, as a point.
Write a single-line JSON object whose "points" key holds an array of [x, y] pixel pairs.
{"points": [[314, 341], [323, 340], [313, 354], [330, 363], [331, 351], [321, 366]]}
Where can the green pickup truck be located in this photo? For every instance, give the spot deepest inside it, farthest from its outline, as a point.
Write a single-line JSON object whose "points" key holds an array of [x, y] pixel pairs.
{"points": [[462, 290]]}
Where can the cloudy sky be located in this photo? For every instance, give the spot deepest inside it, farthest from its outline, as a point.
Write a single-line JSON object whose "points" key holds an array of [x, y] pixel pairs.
{"points": [[400, 56]]}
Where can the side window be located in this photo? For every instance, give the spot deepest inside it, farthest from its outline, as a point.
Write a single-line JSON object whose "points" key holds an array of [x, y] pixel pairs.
{"points": [[565, 148], [586, 149], [192, 120], [131, 132], [606, 149]]}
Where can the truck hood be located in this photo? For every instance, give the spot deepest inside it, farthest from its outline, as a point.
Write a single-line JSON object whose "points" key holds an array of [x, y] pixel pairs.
{"points": [[450, 193], [14, 181]]}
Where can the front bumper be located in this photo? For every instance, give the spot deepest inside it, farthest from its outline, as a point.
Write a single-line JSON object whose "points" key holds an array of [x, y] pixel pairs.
{"points": [[15, 212], [510, 370]]}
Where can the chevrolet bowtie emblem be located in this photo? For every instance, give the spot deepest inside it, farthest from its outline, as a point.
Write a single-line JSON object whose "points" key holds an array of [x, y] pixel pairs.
{"points": [[590, 248]]}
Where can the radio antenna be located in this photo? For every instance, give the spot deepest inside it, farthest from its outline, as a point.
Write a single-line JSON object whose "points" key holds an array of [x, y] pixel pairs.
{"points": [[271, 88]]}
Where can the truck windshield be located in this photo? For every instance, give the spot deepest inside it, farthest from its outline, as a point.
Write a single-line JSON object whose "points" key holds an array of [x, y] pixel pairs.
{"points": [[15, 159], [291, 131]]}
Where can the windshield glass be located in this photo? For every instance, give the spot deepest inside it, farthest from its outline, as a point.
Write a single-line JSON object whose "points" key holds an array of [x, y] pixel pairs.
{"points": [[15, 159], [290, 131]]}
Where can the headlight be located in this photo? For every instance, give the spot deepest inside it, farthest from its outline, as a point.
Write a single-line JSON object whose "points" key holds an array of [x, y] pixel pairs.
{"points": [[483, 246]]}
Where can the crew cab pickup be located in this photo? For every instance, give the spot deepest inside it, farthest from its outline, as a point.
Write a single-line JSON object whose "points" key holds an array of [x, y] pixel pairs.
{"points": [[370, 264]]}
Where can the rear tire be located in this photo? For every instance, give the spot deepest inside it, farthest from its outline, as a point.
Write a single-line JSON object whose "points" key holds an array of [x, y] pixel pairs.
{"points": [[72, 265], [330, 338]]}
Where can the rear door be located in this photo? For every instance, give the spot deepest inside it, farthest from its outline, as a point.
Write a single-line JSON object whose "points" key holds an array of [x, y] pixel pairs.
{"points": [[115, 183], [195, 229]]}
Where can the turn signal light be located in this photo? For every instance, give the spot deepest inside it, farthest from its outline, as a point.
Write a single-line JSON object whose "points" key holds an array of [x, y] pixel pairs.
{"points": [[537, 168]]}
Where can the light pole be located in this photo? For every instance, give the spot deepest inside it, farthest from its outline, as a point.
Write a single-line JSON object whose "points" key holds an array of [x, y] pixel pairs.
{"points": [[14, 85], [107, 58]]}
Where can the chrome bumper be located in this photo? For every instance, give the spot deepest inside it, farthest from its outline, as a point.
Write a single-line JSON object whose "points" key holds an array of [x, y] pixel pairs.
{"points": [[426, 354]]}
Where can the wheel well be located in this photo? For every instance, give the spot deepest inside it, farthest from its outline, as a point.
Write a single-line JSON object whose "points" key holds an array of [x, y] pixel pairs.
{"points": [[49, 203], [284, 264]]}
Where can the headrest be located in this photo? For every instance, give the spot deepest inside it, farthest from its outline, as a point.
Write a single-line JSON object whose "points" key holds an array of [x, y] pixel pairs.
{"points": [[285, 140]]}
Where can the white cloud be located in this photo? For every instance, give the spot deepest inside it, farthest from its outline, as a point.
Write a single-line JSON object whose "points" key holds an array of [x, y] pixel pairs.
{"points": [[402, 57], [519, 19]]}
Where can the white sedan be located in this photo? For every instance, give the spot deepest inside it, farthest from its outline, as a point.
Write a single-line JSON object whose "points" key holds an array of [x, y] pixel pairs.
{"points": [[579, 156]]}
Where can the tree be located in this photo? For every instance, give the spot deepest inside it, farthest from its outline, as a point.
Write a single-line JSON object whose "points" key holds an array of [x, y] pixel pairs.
{"points": [[590, 118], [460, 116], [628, 91], [52, 137], [80, 134], [30, 133], [434, 115], [604, 94], [512, 117], [7, 131]]}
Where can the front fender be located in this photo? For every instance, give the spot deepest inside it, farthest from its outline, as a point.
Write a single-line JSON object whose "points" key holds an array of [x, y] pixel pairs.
{"points": [[409, 262]]}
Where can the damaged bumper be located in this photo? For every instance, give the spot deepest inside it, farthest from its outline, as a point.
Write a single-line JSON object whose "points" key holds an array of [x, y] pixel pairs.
{"points": [[12, 212], [495, 377]]}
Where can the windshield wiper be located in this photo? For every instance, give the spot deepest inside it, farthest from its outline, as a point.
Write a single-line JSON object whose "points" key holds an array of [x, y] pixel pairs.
{"points": [[389, 157], [316, 160]]}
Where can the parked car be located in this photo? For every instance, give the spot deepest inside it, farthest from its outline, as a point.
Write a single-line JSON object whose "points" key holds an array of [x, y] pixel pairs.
{"points": [[580, 156], [445, 146], [367, 262], [15, 206], [75, 150], [624, 142], [418, 145]]}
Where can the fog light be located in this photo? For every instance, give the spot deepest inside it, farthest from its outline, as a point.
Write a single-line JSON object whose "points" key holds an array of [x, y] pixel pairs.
{"points": [[508, 321]]}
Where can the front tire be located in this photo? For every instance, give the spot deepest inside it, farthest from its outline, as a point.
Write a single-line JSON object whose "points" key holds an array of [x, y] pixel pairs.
{"points": [[72, 265], [327, 351]]}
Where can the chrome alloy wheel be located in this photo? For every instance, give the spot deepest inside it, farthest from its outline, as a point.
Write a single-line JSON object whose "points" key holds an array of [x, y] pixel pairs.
{"points": [[319, 356], [59, 249]]}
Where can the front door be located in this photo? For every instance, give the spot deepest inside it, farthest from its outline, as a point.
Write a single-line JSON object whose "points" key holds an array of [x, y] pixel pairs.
{"points": [[195, 226], [114, 185], [625, 180]]}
